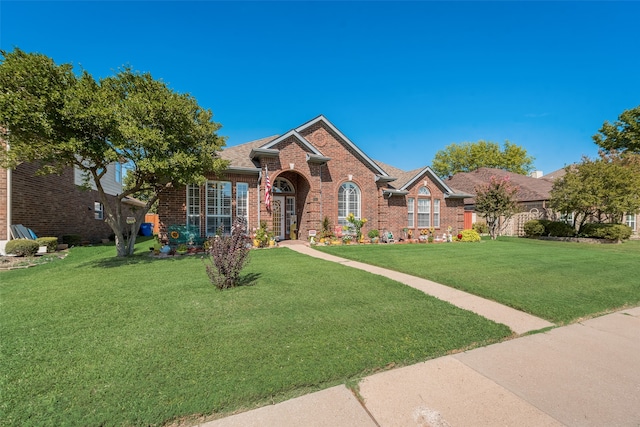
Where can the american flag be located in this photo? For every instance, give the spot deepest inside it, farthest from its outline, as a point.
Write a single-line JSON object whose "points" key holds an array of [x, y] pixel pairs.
{"points": [[267, 189]]}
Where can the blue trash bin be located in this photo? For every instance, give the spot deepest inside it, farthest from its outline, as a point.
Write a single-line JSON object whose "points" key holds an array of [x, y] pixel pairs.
{"points": [[146, 229]]}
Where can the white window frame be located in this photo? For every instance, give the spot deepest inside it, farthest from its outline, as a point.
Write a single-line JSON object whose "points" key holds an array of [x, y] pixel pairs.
{"points": [[630, 220], [349, 201], [193, 207], [436, 213], [242, 201], [98, 211], [424, 213], [411, 220], [218, 206], [290, 210]]}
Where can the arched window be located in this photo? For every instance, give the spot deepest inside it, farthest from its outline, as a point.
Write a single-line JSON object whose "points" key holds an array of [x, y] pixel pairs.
{"points": [[424, 207], [282, 185], [348, 202]]}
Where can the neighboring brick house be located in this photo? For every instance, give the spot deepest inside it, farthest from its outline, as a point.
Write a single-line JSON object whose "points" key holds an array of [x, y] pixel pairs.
{"points": [[629, 219], [532, 195], [315, 171], [55, 205]]}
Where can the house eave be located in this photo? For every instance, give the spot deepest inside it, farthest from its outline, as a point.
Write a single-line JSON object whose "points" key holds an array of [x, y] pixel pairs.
{"points": [[388, 193], [315, 158], [242, 170], [385, 179], [257, 153], [458, 196]]}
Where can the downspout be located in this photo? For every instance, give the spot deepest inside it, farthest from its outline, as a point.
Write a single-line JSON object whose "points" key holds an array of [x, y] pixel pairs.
{"points": [[258, 198], [8, 200], [8, 204], [321, 204]]}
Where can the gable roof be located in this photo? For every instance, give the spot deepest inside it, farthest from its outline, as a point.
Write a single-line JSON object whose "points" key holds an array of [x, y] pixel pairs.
{"points": [[241, 158], [342, 136], [406, 178], [529, 189]]}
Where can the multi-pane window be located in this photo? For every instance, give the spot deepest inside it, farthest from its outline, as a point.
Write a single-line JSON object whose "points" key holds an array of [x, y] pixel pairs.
{"points": [[193, 207], [290, 212], [98, 210], [424, 191], [436, 213], [410, 209], [630, 220], [218, 207], [567, 217], [348, 202], [242, 201], [424, 213]]}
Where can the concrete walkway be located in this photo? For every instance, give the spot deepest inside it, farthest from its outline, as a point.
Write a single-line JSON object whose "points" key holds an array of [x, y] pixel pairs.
{"points": [[518, 321], [585, 374]]}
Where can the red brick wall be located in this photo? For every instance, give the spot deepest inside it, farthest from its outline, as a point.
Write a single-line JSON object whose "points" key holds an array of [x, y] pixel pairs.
{"points": [[52, 205], [317, 189]]}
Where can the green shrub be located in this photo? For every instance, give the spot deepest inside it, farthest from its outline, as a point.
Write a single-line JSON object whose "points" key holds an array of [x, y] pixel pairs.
{"points": [[533, 228], [72, 239], [50, 242], [470, 236], [373, 233], [606, 231], [480, 227], [22, 247], [559, 229]]}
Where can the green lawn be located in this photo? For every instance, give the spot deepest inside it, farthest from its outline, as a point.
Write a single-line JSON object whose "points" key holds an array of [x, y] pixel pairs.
{"points": [[561, 282], [93, 340]]}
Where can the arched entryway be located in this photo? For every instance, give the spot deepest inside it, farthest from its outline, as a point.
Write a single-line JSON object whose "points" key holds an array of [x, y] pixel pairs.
{"points": [[289, 197]]}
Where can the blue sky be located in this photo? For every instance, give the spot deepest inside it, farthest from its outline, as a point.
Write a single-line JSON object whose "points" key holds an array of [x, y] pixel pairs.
{"points": [[401, 79]]}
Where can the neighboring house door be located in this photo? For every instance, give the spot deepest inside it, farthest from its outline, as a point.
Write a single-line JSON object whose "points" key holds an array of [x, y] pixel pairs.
{"points": [[468, 220], [278, 216]]}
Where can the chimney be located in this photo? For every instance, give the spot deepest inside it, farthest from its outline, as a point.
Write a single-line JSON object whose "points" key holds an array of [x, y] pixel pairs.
{"points": [[536, 174]]}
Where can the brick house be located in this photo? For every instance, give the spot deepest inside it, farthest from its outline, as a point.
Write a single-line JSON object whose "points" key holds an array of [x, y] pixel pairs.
{"points": [[315, 171], [55, 205], [533, 197]]}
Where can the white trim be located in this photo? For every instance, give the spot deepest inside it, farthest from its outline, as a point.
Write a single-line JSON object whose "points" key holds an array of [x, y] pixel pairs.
{"points": [[246, 197], [296, 135]]}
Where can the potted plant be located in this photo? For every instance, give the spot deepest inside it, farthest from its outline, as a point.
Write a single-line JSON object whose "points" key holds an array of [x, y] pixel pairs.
{"points": [[374, 235], [181, 249]]}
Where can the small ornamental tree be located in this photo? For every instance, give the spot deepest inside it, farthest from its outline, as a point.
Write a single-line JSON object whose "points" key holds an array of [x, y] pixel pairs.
{"points": [[56, 119], [496, 202], [228, 255]]}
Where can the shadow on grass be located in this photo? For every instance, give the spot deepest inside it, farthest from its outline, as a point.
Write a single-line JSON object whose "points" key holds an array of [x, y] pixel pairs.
{"points": [[248, 279], [137, 258]]}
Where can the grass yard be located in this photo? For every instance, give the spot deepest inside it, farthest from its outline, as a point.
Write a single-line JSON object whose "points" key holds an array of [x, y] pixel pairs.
{"points": [[94, 340], [558, 281]]}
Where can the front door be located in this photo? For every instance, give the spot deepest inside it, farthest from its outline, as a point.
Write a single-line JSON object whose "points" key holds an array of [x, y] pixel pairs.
{"points": [[277, 212]]}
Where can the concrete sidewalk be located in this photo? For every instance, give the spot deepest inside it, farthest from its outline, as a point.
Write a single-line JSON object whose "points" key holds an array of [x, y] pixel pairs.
{"points": [[585, 374]]}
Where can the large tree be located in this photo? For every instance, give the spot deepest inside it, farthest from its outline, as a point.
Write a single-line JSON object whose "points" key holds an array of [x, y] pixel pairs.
{"points": [[467, 157], [623, 135], [496, 202], [600, 190], [52, 116]]}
